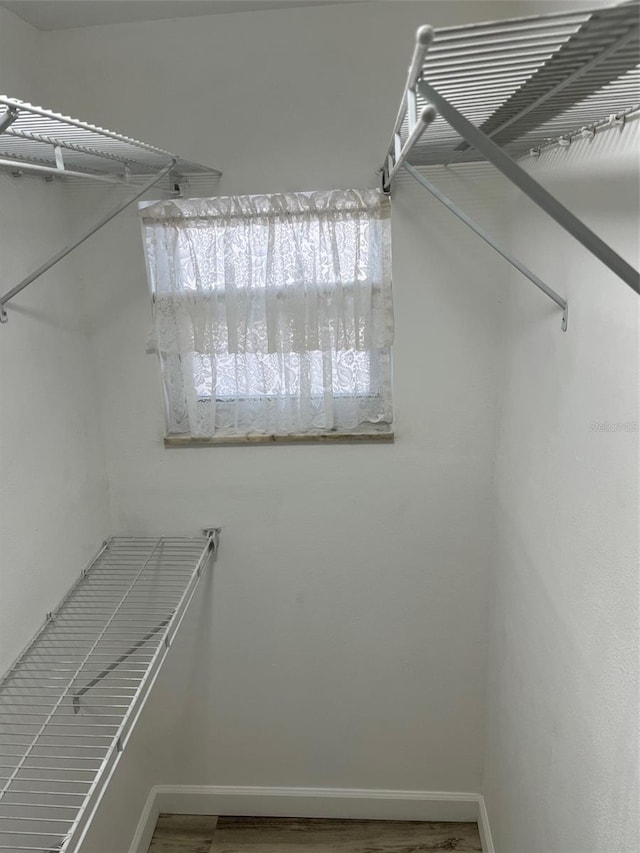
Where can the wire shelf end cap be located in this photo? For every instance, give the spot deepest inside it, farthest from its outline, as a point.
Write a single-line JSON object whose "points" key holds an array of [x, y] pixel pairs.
{"points": [[425, 35]]}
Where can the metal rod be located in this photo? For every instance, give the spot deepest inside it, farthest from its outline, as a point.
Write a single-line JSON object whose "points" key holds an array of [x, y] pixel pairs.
{"points": [[606, 124], [83, 782], [537, 193], [424, 39], [116, 663], [40, 767], [85, 236], [39, 805], [469, 34], [8, 118], [427, 116], [27, 818], [22, 165], [562, 303], [520, 39], [468, 52], [65, 735], [47, 757]]}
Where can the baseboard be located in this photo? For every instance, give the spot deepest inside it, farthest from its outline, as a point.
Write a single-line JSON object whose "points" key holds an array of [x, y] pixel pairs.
{"points": [[484, 828], [146, 824], [354, 803]]}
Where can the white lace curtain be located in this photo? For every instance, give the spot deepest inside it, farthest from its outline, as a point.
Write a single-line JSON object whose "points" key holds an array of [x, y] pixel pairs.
{"points": [[272, 314]]}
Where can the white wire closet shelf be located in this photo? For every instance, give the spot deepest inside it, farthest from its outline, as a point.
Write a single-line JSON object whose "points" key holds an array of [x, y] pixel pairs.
{"points": [[494, 91], [526, 82], [70, 702], [37, 139]]}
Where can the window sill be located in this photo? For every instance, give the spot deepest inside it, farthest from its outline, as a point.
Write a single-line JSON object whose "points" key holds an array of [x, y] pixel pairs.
{"points": [[310, 438]]}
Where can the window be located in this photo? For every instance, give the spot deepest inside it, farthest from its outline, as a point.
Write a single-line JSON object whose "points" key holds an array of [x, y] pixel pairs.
{"points": [[272, 314]]}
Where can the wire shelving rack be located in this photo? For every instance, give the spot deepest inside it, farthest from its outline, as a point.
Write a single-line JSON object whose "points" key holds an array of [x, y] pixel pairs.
{"points": [[69, 703], [491, 92], [55, 146]]}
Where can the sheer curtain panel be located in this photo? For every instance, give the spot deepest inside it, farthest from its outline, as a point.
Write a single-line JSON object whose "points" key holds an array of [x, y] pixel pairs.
{"points": [[272, 314]]}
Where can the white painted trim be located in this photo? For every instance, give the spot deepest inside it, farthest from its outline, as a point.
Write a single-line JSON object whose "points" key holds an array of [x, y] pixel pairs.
{"points": [[319, 802], [484, 828], [146, 825], [353, 803]]}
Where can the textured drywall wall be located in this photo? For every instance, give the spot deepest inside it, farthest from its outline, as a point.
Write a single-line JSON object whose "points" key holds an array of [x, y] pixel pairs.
{"points": [[343, 641], [561, 768], [53, 489], [19, 44]]}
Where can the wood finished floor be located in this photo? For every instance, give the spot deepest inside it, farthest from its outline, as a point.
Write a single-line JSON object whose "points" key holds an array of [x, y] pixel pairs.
{"points": [[176, 833], [194, 834]]}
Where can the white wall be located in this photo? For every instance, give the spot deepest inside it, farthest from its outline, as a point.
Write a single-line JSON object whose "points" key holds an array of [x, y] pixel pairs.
{"points": [[53, 491], [561, 768], [19, 43], [343, 642]]}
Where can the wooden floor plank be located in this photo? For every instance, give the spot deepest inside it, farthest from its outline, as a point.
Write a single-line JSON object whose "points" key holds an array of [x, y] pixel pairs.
{"points": [[204, 834], [294, 835], [183, 834]]}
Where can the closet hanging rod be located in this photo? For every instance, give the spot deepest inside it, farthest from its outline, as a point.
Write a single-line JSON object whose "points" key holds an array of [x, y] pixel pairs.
{"points": [[587, 131], [18, 166]]}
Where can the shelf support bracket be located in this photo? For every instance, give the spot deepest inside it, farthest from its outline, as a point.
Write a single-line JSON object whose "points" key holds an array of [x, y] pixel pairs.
{"points": [[8, 118], [81, 239], [536, 192], [562, 303]]}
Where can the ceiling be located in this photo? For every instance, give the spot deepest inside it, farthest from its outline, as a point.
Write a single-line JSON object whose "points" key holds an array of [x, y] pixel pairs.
{"points": [[68, 14]]}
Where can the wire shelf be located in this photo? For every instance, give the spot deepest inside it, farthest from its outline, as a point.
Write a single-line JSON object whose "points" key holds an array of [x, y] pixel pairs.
{"points": [[33, 139], [493, 91], [69, 703], [36, 137], [527, 81]]}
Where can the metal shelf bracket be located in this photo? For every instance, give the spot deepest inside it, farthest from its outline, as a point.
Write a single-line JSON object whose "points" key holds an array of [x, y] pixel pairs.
{"points": [[213, 535], [34, 139], [528, 185], [477, 229], [81, 239]]}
